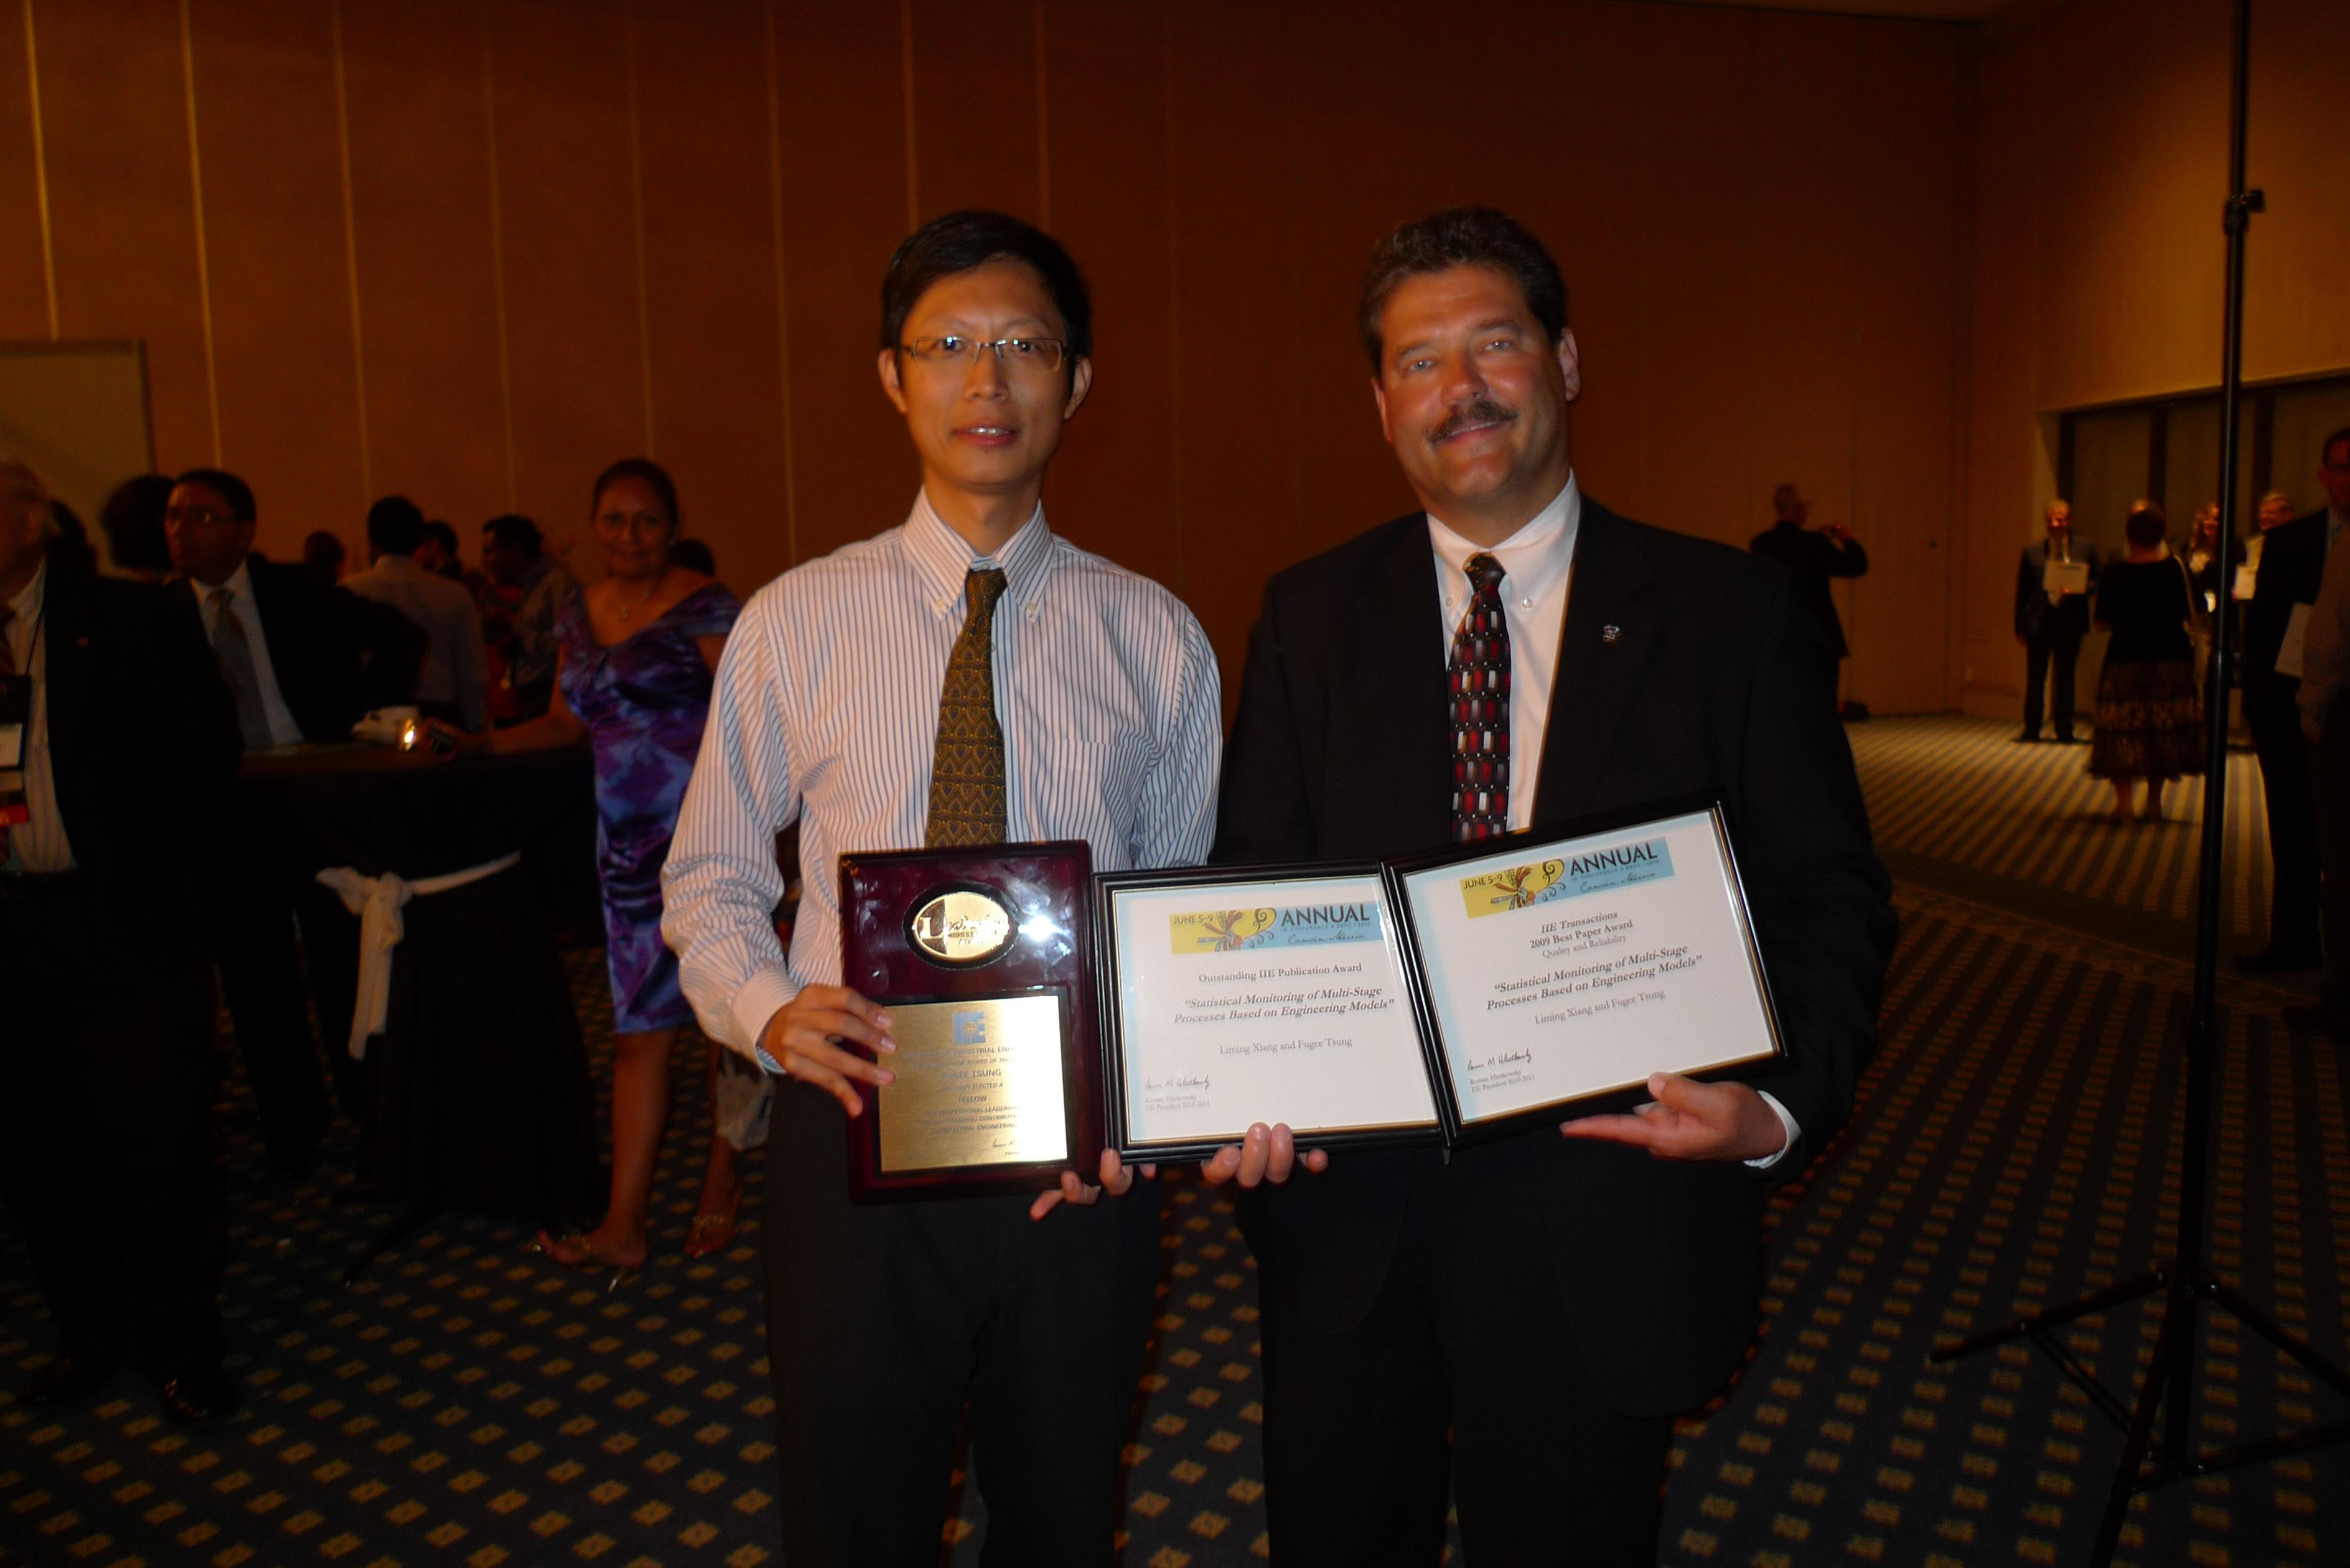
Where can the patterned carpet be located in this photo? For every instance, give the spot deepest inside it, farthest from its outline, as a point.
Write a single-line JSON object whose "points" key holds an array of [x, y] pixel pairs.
{"points": [[467, 1403]]}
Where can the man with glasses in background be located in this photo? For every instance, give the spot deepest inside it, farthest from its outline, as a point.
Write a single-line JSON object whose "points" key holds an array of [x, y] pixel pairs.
{"points": [[967, 678]]}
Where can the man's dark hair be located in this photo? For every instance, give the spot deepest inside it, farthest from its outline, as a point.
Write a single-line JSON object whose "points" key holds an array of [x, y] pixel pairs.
{"points": [[639, 468], [2325, 448], [966, 241], [1461, 237], [440, 533], [228, 487], [2146, 526], [395, 526], [132, 521], [515, 532], [322, 550]]}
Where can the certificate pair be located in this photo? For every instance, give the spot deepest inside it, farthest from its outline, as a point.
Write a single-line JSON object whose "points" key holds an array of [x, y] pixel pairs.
{"points": [[1446, 998]]}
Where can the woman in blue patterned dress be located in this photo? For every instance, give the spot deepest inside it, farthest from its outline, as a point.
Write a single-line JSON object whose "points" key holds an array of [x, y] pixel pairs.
{"points": [[636, 654]]}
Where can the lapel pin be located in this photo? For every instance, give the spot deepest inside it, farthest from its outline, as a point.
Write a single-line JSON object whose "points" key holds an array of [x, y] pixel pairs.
{"points": [[1610, 633]]}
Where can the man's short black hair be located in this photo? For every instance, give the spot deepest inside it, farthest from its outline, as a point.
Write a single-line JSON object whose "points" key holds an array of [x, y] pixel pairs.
{"points": [[228, 487], [443, 536], [2325, 448], [132, 521], [1462, 236], [963, 242], [395, 526], [515, 532]]}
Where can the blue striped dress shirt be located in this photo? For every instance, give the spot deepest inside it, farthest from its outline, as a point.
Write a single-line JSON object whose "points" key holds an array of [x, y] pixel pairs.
{"points": [[826, 712]]}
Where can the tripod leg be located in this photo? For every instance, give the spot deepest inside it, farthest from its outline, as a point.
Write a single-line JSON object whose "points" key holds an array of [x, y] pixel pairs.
{"points": [[2087, 1306], [2269, 1329], [2177, 1307]]}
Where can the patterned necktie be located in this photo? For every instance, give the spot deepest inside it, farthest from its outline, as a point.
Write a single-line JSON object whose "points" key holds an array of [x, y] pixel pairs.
{"points": [[1478, 683], [235, 654], [967, 770]]}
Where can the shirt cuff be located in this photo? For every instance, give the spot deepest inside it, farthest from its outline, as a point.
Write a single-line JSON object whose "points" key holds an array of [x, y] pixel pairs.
{"points": [[769, 990], [1786, 1120]]}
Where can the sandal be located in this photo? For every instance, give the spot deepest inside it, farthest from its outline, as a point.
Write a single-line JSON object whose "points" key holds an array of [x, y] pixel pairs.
{"points": [[710, 1233], [583, 1244]]}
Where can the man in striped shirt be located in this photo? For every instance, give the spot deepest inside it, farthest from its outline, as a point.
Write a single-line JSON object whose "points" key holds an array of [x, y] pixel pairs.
{"points": [[1105, 726]]}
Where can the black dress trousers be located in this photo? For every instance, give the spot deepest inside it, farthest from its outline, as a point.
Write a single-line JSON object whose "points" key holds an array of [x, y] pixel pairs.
{"points": [[2053, 650], [106, 1154], [1469, 1333], [884, 1319]]}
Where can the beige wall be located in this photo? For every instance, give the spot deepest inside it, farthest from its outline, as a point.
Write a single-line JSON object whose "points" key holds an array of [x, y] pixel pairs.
{"points": [[2100, 152], [474, 250]]}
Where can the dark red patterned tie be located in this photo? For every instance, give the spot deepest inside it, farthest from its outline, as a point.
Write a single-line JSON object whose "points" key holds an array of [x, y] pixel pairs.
{"points": [[1478, 683]]}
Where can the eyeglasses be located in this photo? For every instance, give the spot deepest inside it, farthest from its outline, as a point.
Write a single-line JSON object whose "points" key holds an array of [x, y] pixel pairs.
{"points": [[1040, 356]]}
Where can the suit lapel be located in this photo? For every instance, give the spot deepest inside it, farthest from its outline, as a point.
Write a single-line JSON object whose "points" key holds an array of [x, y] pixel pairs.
{"points": [[1613, 631], [1403, 675]]}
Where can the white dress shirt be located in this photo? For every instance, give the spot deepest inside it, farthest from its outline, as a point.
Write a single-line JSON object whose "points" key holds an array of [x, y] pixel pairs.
{"points": [[1537, 565], [283, 730], [39, 843], [826, 712], [456, 670]]}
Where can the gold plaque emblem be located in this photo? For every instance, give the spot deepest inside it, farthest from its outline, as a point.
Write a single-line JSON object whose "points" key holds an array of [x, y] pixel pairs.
{"points": [[962, 926]]}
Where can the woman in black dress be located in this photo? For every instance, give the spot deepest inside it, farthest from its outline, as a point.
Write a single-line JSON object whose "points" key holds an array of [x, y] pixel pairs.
{"points": [[2149, 720]]}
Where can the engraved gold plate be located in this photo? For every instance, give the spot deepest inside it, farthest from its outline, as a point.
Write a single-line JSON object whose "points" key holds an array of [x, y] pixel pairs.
{"points": [[962, 926], [978, 1083]]}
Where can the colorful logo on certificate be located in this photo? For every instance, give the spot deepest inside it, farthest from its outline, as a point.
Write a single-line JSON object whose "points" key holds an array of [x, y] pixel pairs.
{"points": [[1547, 882], [1239, 931]]}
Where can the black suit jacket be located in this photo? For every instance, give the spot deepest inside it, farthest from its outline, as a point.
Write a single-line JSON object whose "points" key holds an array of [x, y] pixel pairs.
{"points": [[335, 654], [1814, 558], [2291, 562], [2034, 615], [1684, 667], [142, 740]]}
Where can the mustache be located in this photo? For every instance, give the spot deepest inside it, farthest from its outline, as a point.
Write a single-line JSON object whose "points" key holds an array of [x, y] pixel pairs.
{"points": [[1476, 411]]}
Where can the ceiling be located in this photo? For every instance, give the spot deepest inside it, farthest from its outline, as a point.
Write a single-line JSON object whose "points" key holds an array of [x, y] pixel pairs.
{"points": [[1924, 10]]}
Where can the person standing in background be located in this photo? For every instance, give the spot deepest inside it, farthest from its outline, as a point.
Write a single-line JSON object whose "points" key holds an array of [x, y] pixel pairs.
{"points": [[2323, 703], [2292, 562], [323, 554], [132, 521], [2149, 722], [633, 679], [2050, 621], [530, 589], [453, 684], [1814, 558], [127, 742]]}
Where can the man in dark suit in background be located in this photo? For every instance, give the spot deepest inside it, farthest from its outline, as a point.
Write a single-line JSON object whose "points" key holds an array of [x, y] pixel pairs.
{"points": [[1814, 557], [2051, 623], [2293, 563], [126, 743], [302, 659], [1555, 1301]]}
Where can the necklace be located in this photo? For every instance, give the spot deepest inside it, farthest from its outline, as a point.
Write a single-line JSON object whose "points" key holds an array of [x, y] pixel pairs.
{"points": [[643, 599]]}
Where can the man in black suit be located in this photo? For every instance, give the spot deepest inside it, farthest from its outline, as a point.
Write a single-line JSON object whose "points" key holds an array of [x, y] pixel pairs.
{"points": [[2293, 563], [1814, 558], [124, 745], [1555, 1301], [302, 659], [2051, 622]]}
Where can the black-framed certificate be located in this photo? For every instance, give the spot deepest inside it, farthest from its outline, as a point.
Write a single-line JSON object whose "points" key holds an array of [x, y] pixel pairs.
{"points": [[1553, 971], [1251, 994]]}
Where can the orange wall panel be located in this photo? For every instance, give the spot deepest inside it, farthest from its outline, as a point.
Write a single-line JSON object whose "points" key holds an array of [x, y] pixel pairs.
{"points": [[24, 289], [567, 242], [428, 290], [710, 277], [273, 232], [121, 201], [974, 82]]}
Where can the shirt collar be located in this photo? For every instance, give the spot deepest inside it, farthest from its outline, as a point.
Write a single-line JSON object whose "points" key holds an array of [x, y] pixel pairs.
{"points": [[1534, 557], [25, 608], [945, 559]]}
